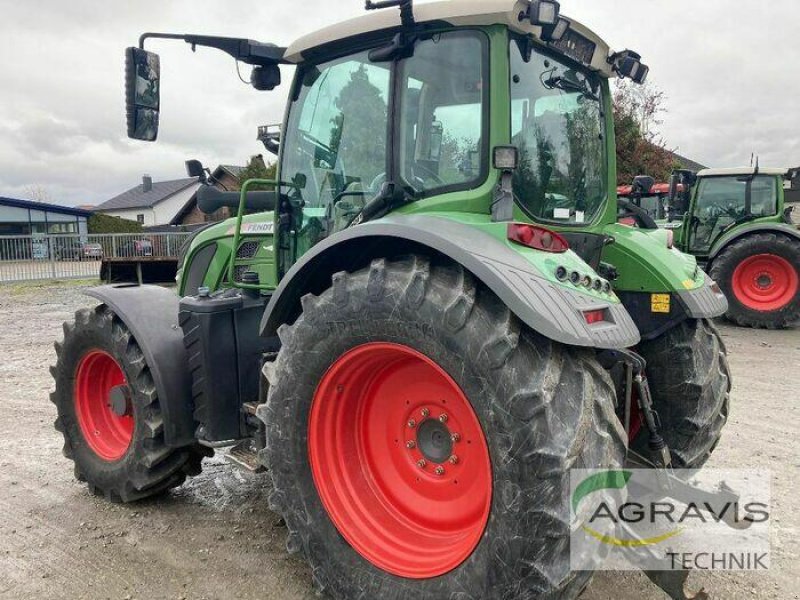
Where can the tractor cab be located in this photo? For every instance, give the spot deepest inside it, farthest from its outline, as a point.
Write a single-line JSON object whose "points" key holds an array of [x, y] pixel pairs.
{"points": [[721, 200]]}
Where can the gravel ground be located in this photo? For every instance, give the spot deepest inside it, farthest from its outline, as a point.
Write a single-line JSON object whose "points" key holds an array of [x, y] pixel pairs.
{"points": [[215, 537]]}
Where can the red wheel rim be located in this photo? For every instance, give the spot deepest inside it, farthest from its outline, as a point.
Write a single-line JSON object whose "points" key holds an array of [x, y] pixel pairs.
{"points": [[107, 433], [377, 449], [765, 282]]}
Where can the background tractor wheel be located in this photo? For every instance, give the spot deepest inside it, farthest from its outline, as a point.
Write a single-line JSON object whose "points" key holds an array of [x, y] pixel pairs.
{"points": [[690, 381], [420, 439], [109, 414], [760, 275]]}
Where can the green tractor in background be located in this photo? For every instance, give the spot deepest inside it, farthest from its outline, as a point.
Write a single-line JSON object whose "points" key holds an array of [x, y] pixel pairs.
{"points": [[427, 323], [736, 222]]}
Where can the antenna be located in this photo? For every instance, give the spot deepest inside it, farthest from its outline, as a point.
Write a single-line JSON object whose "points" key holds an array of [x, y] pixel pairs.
{"points": [[406, 10]]}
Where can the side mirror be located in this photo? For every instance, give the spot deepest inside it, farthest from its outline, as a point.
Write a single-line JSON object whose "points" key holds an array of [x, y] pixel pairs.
{"points": [[142, 93], [643, 184], [673, 188], [194, 168]]}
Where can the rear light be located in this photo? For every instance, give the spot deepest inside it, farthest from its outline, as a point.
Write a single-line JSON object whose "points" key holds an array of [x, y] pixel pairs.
{"points": [[536, 237], [670, 239], [595, 316]]}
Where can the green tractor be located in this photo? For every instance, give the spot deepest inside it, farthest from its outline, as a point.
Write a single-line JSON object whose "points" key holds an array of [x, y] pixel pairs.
{"points": [[429, 319], [737, 224]]}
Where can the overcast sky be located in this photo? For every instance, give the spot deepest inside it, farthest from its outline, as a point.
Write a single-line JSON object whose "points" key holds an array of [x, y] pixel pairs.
{"points": [[729, 69]]}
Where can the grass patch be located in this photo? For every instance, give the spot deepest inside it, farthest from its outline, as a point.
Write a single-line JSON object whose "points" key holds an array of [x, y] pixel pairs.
{"points": [[30, 287]]}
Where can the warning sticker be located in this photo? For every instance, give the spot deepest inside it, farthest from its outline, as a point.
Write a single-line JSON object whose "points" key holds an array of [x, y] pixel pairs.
{"points": [[660, 303]]}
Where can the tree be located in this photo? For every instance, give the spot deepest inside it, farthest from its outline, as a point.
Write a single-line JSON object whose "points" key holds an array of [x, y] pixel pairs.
{"points": [[257, 169], [358, 132], [640, 149], [37, 193]]}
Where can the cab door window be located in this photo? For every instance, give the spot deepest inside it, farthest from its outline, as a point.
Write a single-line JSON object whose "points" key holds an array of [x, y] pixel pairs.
{"points": [[442, 103], [335, 145]]}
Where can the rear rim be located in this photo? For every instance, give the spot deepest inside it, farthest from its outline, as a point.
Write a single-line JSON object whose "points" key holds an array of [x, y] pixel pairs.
{"points": [[765, 282], [102, 405], [400, 461]]}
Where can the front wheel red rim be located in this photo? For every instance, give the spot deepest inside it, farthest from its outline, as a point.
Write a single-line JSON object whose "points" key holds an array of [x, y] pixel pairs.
{"points": [[765, 282], [400, 461], [106, 432]]}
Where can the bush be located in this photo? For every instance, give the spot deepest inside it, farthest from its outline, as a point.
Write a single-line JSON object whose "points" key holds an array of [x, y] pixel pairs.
{"points": [[99, 223]]}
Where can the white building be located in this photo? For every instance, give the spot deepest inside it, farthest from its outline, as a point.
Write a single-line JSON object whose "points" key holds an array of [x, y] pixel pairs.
{"points": [[23, 217], [152, 202]]}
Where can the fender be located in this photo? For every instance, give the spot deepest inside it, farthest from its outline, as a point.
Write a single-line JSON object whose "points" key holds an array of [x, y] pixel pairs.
{"points": [[752, 228], [151, 313], [554, 311]]}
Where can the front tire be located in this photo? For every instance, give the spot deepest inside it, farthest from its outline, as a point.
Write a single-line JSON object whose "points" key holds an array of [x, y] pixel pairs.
{"points": [[760, 275], [690, 381], [406, 341], [109, 412]]}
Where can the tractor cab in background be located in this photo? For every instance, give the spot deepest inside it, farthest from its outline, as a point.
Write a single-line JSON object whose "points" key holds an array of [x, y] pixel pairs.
{"points": [[739, 226]]}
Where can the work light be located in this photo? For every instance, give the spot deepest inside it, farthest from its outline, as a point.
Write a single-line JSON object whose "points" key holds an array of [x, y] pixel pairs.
{"points": [[555, 33], [506, 158], [543, 13], [629, 64]]}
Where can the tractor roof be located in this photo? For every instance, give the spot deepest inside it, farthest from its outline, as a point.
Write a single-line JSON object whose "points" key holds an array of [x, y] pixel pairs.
{"points": [[454, 12], [742, 172]]}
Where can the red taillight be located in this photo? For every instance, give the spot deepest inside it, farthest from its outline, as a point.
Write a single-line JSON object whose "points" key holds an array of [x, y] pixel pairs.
{"points": [[538, 238], [594, 316]]}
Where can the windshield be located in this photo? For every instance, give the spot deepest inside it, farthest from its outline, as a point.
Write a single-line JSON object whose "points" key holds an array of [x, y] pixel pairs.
{"points": [[722, 202], [557, 123]]}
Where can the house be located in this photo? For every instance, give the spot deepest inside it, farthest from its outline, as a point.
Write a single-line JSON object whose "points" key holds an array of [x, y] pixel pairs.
{"points": [[687, 163], [225, 177], [152, 202], [24, 217]]}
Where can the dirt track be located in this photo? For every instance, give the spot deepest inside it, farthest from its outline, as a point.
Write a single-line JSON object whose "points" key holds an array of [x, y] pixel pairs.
{"points": [[216, 538]]}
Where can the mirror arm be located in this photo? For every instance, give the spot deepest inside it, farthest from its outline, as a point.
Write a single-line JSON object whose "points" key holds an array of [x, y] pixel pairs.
{"points": [[247, 51]]}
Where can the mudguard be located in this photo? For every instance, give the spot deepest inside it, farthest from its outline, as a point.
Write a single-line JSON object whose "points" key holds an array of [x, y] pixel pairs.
{"points": [[706, 302], [741, 232], [151, 313], [552, 310]]}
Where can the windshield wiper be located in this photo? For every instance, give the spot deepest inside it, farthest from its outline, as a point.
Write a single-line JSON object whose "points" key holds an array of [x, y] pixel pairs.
{"points": [[567, 85]]}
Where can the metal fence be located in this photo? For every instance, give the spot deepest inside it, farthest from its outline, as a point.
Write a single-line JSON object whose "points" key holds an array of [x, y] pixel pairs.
{"points": [[41, 257]]}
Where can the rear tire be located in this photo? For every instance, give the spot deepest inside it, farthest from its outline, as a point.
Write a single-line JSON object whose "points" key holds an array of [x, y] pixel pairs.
{"points": [[690, 381], [122, 457], [760, 275], [542, 409]]}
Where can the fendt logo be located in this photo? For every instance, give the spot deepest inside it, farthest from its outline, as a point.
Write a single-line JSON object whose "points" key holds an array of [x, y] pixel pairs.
{"points": [[641, 519]]}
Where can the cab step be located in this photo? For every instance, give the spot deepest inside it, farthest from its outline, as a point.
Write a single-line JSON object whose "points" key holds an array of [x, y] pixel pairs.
{"points": [[245, 456]]}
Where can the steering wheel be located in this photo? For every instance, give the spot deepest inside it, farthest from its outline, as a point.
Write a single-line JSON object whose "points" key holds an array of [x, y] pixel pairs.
{"points": [[430, 174]]}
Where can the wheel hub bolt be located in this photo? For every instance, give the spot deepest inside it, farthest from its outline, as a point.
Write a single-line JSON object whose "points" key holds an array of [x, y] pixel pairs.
{"points": [[425, 413], [455, 437], [439, 471], [412, 423], [443, 418], [454, 460], [411, 444], [422, 463]]}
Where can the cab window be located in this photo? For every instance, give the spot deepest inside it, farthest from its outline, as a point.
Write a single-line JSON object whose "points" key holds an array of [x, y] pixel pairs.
{"points": [[336, 139], [442, 113]]}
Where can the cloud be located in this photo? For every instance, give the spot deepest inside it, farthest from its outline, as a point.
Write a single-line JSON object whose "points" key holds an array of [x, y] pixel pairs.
{"points": [[728, 74]]}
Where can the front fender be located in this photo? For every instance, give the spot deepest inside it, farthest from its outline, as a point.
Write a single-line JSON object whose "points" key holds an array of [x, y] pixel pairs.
{"points": [[553, 310], [151, 314], [740, 232]]}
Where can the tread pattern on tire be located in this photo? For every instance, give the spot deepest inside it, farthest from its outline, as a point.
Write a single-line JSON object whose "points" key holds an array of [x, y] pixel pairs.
{"points": [[150, 467], [724, 265], [558, 413], [690, 380]]}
